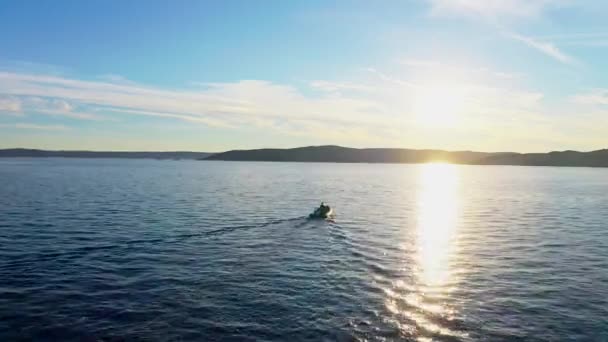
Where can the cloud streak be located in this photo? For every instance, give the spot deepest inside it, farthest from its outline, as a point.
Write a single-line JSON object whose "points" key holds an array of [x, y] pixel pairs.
{"points": [[445, 67], [30, 126], [494, 11], [217, 105], [493, 8], [547, 48], [10, 104], [586, 39], [596, 97], [56, 107]]}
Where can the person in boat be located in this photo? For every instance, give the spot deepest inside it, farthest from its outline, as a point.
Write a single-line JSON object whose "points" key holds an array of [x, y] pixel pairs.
{"points": [[321, 212], [323, 209]]}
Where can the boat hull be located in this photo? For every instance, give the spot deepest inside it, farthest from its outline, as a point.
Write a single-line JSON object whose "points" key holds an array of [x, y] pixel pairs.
{"points": [[317, 215]]}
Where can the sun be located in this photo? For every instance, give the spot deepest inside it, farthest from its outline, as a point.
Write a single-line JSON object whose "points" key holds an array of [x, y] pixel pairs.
{"points": [[438, 105]]}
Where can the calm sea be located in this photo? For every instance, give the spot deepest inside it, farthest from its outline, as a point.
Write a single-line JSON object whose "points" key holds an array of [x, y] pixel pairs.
{"points": [[222, 251]]}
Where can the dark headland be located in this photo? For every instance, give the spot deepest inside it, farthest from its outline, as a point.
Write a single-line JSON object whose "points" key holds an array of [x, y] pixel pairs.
{"points": [[31, 153], [338, 154]]}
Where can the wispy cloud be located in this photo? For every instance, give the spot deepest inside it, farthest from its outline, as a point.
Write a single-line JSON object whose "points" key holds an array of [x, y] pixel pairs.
{"points": [[189, 118], [20, 105], [494, 13], [57, 107], [575, 36], [378, 109], [219, 104], [447, 67], [21, 125], [10, 105], [117, 79], [421, 63], [587, 39], [494, 8], [595, 97], [547, 48], [329, 86]]}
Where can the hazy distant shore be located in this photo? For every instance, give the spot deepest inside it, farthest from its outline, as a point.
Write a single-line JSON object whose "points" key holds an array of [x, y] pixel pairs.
{"points": [[33, 153], [338, 154]]}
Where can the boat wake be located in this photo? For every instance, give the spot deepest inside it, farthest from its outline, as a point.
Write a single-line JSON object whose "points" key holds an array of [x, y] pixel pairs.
{"points": [[177, 238]]}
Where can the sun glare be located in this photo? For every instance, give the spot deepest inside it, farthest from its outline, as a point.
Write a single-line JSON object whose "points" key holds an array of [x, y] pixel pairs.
{"points": [[438, 208], [438, 105], [436, 222]]}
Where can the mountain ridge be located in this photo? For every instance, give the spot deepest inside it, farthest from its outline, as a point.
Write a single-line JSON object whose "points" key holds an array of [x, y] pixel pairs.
{"points": [[339, 154]]}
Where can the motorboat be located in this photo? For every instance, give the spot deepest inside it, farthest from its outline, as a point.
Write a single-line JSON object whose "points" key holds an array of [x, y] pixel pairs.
{"points": [[322, 212]]}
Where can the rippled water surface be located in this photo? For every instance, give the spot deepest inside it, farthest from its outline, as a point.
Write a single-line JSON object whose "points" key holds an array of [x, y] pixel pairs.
{"points": [[219, 251]]}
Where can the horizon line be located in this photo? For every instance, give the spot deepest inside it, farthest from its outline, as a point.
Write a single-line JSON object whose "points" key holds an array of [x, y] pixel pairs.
{"points": [[289, 148]]}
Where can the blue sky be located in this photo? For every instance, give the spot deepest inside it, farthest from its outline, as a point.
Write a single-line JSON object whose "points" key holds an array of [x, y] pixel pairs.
{"points": [[488, 75]]}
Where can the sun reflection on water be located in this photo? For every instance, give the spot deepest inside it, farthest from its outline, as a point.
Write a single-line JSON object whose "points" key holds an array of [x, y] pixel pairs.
{"points": [[437, 214], [423, 301]]}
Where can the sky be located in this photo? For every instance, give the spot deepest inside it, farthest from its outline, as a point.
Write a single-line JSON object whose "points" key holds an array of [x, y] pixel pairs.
{"points": [[483, 75]]}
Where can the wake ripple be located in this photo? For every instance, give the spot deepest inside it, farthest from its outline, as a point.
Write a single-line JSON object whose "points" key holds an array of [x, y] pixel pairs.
{"points": [[84, 250]]}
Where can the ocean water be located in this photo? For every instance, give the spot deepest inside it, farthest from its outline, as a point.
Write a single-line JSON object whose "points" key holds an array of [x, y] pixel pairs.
{"points": [[222, 251]]}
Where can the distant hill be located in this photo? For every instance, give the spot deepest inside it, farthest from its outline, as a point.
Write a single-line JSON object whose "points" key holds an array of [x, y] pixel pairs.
{"points": [[22, 152], [340, 154], [597, 158]]}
